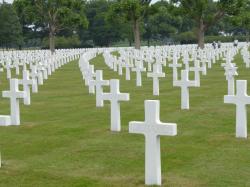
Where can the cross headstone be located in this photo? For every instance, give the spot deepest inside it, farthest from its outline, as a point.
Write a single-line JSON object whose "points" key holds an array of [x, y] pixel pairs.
{"points": [[115, 97], [89, 74], [175, 66], [99, 83], [14, 94], [34, 76], [26, 82], [241, 99], [185, 83], [138, 69], [5, 120], [197, 68], [156, 75], [152, 128], [127, 68], [8, 69], [230, 72]]}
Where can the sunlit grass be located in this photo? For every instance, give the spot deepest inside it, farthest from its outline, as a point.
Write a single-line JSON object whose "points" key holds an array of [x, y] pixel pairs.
{"points": [[64, 140]]}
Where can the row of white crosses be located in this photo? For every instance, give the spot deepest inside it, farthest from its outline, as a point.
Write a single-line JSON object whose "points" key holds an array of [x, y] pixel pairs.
{"points": [[157, 73], [97, 83], [246, 56], [240, 99], [152, 128], [28, 80]]}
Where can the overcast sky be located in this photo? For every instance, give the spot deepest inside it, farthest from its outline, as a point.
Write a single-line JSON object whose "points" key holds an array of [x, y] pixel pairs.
{"points": [[10, 1]]}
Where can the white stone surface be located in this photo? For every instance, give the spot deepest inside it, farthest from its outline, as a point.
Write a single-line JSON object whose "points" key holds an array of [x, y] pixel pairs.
{"points": [[230, 73], [185, 83], [152, 128], [5, 120], [196, 69], [241, 99], [156, 74], [99, 83], [34, 76], [138, 69], [15, 95], [26, 82], [115, 97]]}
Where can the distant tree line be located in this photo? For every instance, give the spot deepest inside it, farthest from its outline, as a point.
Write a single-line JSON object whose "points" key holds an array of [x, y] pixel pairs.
{"points": [[80, 23]]}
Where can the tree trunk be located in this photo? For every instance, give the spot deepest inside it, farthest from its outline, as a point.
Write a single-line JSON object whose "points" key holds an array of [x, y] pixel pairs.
{"points": [[130, 43], [52, 42], [136, 30], [247, 36], [201, 34]]}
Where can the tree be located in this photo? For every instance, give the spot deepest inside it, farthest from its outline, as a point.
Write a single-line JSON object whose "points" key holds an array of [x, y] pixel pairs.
{"points": [[243, 19], [11, 30], [162, 21], [100, 30], [133, 11], [53, 15], [206, 13]]}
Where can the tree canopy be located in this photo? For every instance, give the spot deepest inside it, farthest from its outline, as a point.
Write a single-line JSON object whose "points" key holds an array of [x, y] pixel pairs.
{"points": [[10, 27], [52, 16], [82, 23]]}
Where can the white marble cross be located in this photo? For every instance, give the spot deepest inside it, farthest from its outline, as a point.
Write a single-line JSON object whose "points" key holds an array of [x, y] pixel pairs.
{"points": [[34, 76], [120, 66], [127, 68], [8, 69], [5, 120], [14, 94], [99, 83], [230, 72], [175, 66], [138, 69], [115, 97], [156, 74], [40, 77], [185, 83], [241, 99], [26, 82], [90, 73], [152, 128], [197, 68], [17, 68]]}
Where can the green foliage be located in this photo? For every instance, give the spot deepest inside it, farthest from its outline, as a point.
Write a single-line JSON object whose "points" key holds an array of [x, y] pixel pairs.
{"points": [[163, 21], [61, 13], [210, 11], [210, 39], [10, 28], [185, 37], [62, 42], [100, 30], [105, 22], [243, 19], [132, 11], [52, 16]]}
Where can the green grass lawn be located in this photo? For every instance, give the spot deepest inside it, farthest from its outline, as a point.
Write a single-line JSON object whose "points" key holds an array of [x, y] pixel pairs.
{"points": [[64, 140]]}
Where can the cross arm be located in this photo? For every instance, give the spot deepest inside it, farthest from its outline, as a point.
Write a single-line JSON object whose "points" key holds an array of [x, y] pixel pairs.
{"points": [[230, 99], [137, 127], [6, 94], [167, 129], [124, 97], [106, 96]]}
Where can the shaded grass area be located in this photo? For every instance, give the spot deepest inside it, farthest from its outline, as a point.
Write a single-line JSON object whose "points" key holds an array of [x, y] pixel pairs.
{"points": [[64, 140]]}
